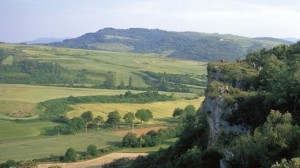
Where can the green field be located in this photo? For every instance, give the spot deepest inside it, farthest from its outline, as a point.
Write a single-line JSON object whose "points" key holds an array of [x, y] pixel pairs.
{"points": [[23, 140], [16, 130], [22, 134], [97, 63], [39, 147], [19, 101]]}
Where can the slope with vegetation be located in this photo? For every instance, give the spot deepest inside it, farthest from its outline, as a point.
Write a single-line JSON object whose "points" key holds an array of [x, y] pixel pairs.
{"points": [[250, 117], [41, 65], [183, 45]]}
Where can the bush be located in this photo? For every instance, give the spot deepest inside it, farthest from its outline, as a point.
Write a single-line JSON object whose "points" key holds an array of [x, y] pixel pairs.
{"points": [[190, 159], [70, 155], [123, 163], [92, 150], [8, 164], [211, 158], [130, 140]]}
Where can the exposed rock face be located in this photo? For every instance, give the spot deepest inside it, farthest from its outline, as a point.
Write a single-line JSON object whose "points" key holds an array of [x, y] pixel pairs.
{"points": [[214, 109], [217, 109]]}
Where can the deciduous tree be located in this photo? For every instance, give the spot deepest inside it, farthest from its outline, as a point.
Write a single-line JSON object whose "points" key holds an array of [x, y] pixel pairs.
{"points": [[113, 118], [88, 118], [144, 115]]}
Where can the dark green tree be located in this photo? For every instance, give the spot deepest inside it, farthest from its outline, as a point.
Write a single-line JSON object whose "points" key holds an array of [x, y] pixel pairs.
{"points": [[58, 129], [113, 118], [177, 112], [76, 124], [70, 155], [163, 83], [111, 80], [130, 82], [98, 121], [144, 115], [122, 85], [130, 140], [190, 109], [88, 118], [129, 117], [92, 150]]}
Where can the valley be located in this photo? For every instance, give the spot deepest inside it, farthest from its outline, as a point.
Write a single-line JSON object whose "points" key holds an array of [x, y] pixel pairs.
{"points": [[82, 73]]}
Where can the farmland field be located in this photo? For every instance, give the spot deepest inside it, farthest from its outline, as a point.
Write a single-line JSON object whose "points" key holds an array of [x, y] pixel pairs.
{"points": [[158, 109], [23, 136], [97, 63], [38, 147], [16, 129], [19, 137], [19, 101]]}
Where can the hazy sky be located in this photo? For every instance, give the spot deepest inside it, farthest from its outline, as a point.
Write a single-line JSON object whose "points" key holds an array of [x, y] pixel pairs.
{"points": [[23, 20]]}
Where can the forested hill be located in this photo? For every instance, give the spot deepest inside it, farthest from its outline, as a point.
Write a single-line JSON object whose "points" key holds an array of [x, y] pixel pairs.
{"points": [[183, 45]]}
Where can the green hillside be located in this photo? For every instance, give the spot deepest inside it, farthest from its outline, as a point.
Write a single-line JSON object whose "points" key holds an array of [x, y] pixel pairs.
{"points": [[253, 109], [28, 64], [183, 45]]}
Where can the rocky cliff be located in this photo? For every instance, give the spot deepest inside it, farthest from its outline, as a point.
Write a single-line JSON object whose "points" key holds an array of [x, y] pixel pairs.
{"points": [[217, 104]]}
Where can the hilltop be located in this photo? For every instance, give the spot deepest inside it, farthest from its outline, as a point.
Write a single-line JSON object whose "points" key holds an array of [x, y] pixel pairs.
{"points": [[183, 45]]}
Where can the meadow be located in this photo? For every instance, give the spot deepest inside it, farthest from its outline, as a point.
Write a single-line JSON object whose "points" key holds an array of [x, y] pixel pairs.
{"points": [[23, 136], [18, 137], [97, 63], [19, 101], [159, 109], [39, 147]]}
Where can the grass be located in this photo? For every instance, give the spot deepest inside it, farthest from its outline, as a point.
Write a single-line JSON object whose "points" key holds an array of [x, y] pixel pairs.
{"points": [[20, 101], [39, 147], [159, 110], [35, 94], [22, 140], [17, 130], [98, 63], [8, 60], [17, 109]]}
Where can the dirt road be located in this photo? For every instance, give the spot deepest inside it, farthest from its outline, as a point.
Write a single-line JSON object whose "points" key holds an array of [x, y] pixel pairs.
{"points": [[95, 163]]}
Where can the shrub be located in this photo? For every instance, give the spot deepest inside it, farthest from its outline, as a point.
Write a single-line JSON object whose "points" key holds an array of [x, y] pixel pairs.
{"points": [[92, 150], [70, 155], [130, 140]]}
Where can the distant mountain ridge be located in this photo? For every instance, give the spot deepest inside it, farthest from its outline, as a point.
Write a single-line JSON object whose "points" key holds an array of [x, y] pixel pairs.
{"points": [[182, 45], [45, 40], [276, 40]]}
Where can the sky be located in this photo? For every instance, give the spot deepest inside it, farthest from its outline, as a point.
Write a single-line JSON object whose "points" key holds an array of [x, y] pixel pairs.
{"points": [[25, 20]]}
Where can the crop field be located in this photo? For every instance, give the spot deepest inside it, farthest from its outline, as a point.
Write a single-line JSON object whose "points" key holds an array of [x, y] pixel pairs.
{"points": [[23, 136], [159, 109], [17, 138], [19, 101]]}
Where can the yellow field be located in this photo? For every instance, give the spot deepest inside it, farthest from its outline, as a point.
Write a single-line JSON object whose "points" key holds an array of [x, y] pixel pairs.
{"points": [[17, 100], [159, 109]]}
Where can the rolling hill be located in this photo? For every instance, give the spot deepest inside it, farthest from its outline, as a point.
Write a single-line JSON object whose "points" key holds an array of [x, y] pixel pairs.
{"points": [[182, 45], [44, 65]]}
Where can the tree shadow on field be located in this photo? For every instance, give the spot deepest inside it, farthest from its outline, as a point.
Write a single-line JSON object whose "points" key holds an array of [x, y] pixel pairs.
{"points": [[167, 120], [114, 143]]}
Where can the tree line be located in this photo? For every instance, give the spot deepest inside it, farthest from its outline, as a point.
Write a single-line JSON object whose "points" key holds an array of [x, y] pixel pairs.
{"points": [[87, 120], [55, 108]]}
